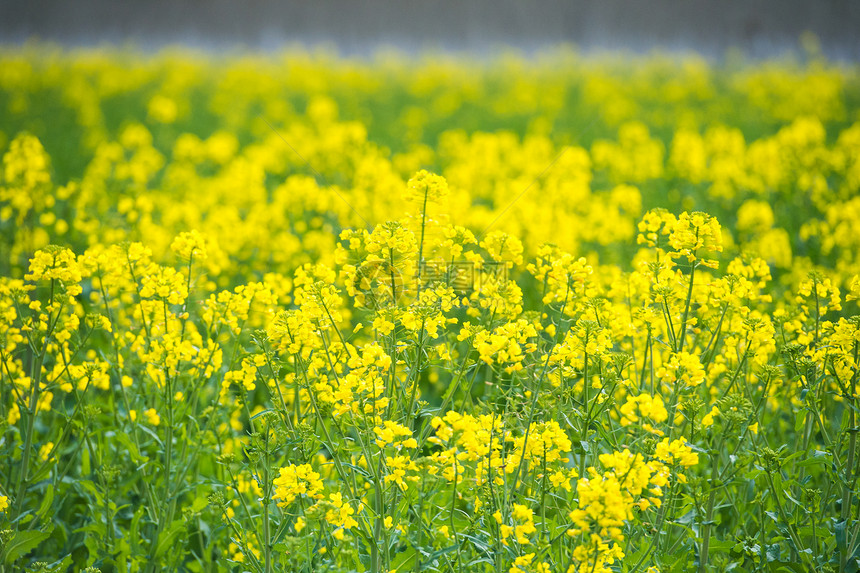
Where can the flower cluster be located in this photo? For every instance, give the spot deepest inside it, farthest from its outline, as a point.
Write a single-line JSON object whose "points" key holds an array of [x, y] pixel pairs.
{"points": [[297, 481]]}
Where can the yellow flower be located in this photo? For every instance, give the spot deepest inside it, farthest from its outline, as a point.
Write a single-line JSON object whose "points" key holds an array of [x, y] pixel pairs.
{"points": [[522, 563], [45, 450], [523, 524], [398, 466], [295, 481], [654, 223], [393, 434], [708, 420], [383, 326], [166, 284], [152, 417], [676, 452], [427, 185], [56, 263], [560, 479], [649, 407], [693, 234], [340, 515], [682, 367], [14, 414], [190, 245], [162, 109], [246, 377], [503, 248]]}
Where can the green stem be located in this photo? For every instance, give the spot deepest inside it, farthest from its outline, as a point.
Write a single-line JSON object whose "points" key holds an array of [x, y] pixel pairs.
{"points": [[536, 395], [266, 500], [849, 466], [792, 533], [661, 518], [683, 332], [709, 516], [36, 382], [421, 243]]}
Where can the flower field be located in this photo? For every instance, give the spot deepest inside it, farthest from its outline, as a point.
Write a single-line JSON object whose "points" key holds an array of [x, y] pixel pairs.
{"points": [[301, 312]]}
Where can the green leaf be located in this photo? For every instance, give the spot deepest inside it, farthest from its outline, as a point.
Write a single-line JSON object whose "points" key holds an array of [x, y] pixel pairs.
{"points": [[437, 554], [85, 461], [44, 470], [149, 431], [817, 457], [167, 538], [789, 497], [61, 565], [261, 413], [21, 544], [90, 488], [133, 528], [721, 545], [133, 452], [786, 567], [360, 471], [771, 552], [799, 420], [480, 543], [403, 558], [839, 531], [98, 530], [199, 504], [688, 518], [47, 501]]}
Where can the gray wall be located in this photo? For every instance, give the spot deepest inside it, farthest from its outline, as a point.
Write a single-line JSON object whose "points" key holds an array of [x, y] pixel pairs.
{"points": [[760, 27]]}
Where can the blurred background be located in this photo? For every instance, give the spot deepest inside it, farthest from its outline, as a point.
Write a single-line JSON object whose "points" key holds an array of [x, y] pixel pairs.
{"points": [[761, 28]]}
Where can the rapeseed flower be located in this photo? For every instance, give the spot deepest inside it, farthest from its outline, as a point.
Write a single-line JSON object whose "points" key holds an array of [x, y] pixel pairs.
{"points": [[296, 481]]}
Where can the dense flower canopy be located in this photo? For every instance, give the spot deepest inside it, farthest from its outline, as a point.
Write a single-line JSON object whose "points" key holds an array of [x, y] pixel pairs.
{"points": [[315, 314]]}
